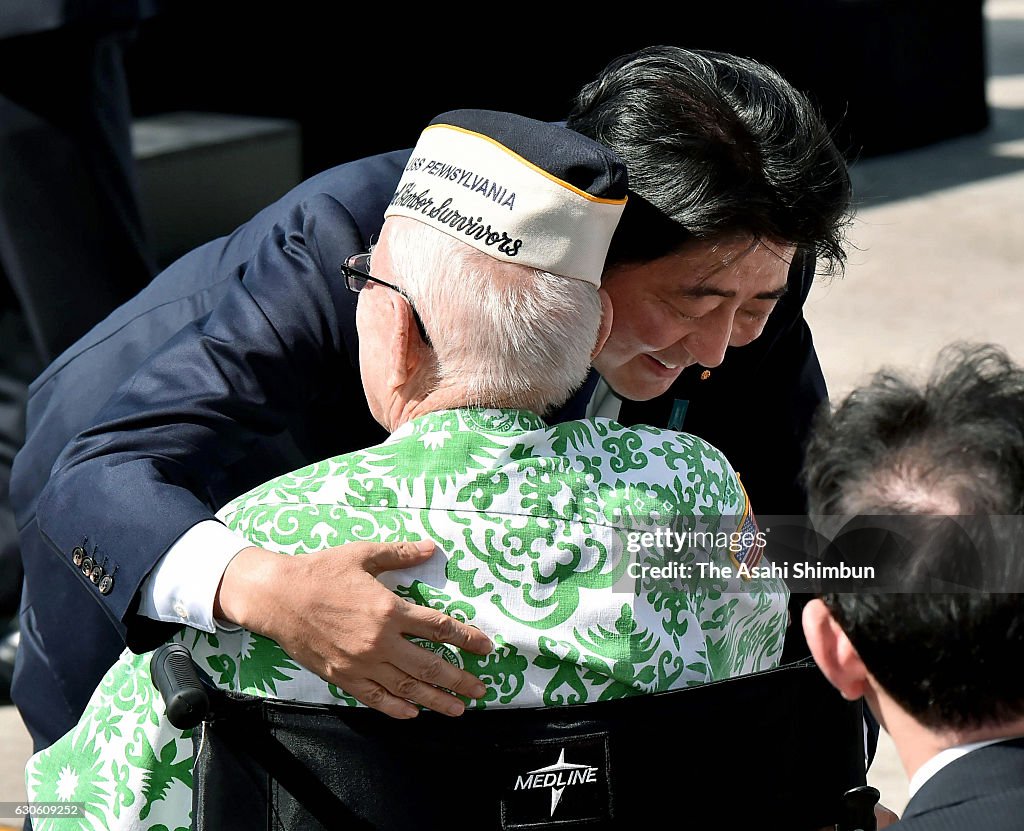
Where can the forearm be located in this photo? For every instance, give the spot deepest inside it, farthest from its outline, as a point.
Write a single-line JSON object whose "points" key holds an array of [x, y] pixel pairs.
{"points": [[245, 595]]}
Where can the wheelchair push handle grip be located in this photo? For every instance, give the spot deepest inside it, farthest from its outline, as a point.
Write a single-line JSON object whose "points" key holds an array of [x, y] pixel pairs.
{"points": [[175, 675], [858, 809]]}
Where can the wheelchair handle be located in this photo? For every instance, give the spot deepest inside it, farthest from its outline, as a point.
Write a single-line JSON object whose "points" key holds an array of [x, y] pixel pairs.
{"points": [[858, 809], [175, 675]]}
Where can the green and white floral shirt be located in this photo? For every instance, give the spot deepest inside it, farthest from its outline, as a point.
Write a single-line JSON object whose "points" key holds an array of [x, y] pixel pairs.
{"points": [[541, 530]]}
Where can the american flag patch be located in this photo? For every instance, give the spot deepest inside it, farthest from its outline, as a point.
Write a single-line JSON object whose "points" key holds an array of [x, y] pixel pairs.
{"points": [[748, 530]]}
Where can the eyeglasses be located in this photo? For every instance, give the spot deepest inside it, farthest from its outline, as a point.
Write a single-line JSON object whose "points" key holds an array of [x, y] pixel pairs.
{"points": [[357, 274]]}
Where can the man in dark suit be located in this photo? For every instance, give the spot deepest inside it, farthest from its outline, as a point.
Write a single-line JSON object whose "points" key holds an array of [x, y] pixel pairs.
{"points": [[209, 381], [935, 656], [71, 240]]}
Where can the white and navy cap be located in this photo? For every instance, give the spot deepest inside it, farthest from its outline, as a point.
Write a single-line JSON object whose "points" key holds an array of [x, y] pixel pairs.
{"points": [[520, 190]]}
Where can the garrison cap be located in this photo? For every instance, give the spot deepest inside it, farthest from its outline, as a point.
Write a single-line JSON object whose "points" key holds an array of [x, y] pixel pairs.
{"points": [[520, 190]]}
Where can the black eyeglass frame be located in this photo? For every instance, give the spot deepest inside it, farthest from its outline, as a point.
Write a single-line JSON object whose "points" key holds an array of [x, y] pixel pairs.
{"points": [[356, 280]]}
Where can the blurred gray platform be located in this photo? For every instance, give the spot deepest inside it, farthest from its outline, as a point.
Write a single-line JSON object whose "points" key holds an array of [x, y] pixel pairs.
{"points": [[203, 174]]}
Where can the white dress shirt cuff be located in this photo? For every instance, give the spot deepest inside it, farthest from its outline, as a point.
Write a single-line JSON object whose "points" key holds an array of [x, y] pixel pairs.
{"points": [[182, 586]]}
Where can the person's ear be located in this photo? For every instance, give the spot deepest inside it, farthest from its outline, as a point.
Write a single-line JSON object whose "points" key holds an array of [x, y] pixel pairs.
{"points": [[392, 333], [409, 351], [607, 313], [833, 652]]}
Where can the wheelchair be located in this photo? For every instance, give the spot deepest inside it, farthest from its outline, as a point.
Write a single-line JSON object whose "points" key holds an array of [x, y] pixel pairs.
{"points": [[778, 749]]}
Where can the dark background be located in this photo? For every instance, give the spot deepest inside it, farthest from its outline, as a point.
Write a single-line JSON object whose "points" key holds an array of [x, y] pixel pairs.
{"points": [[888, 75]]}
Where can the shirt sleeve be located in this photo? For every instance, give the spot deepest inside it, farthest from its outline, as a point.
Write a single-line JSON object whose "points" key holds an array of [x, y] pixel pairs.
{"points": [[182, 586]]}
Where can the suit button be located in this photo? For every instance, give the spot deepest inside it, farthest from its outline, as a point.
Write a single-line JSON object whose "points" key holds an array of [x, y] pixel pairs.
{"points": [[96, 574], [106, 585], [77, 555], [87, 564]]}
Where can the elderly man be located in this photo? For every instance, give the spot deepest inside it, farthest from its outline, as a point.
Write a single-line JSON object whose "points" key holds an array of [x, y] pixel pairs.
{"points": [[478, 312], [933, 654]]}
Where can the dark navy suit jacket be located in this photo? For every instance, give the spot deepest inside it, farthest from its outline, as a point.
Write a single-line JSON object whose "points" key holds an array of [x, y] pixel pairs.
{"points": [[165, 426], [982, 790]]}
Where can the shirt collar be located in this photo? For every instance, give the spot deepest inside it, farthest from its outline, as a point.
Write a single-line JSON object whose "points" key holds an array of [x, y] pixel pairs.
{"points": [[943, 758], [477, 419], [604, 403]]}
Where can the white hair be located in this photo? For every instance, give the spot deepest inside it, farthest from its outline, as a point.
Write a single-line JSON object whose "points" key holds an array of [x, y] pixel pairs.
{"points": [[507, 335]]}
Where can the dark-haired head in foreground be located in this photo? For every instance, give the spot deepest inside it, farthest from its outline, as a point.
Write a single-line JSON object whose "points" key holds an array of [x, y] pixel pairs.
{"points": [[938, 669], [731, 172]]}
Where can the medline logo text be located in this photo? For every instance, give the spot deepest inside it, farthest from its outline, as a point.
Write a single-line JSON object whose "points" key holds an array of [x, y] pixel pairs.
{"points": [[558, 777], [556, 780]]}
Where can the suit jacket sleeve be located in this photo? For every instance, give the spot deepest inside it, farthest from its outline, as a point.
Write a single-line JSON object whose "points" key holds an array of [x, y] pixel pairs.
{"points": [[134, 482]]}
